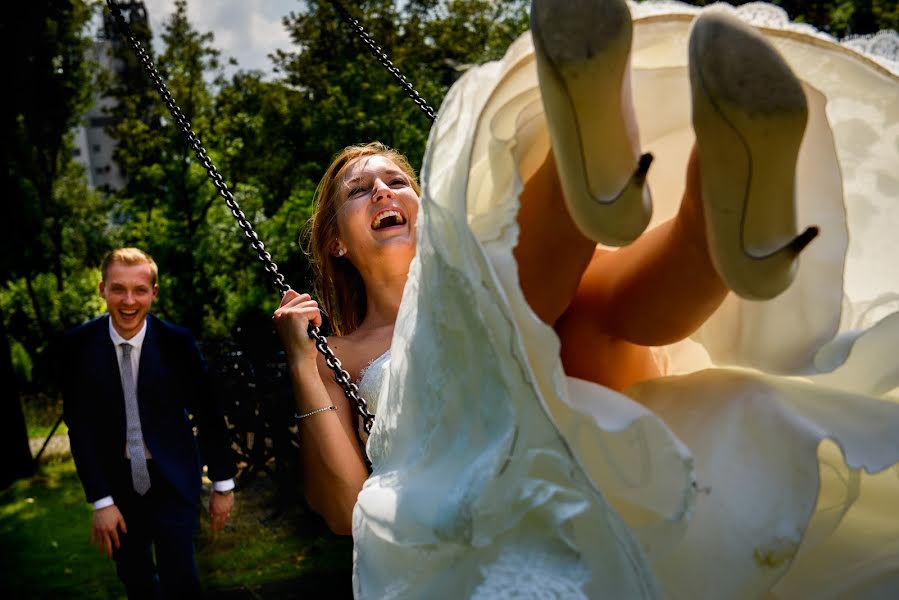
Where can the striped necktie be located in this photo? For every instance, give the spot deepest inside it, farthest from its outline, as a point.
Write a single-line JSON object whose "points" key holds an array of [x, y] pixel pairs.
{"points": [[134, 439]]}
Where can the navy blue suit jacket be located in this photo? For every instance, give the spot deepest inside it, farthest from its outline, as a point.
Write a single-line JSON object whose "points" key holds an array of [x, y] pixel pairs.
{"points": [[172, 384]]}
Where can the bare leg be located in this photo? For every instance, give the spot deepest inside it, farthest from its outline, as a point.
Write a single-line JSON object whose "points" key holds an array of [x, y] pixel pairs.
{"points": [[656, 291], [552, 253]]}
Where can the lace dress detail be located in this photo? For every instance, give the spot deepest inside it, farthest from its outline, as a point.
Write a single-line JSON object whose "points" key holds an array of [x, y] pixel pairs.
{"points": [[521, 572], [496, 476], [371, 379], [881, 47]]}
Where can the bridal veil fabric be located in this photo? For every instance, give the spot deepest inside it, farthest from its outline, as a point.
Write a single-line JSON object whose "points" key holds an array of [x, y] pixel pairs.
{"points": [[763, 465]]}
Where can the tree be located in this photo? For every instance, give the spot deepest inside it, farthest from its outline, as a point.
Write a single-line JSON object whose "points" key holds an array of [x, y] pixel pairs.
{"points": [[14, 445], [347, 97], [164, 205], [839, 18], [47, 61], [53, 90], [270, 139]]}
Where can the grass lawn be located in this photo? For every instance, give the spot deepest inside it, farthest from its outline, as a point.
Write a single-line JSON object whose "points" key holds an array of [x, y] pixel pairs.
{"points": [[269, 541], [41, 413], [45, 533], [271, 548]]}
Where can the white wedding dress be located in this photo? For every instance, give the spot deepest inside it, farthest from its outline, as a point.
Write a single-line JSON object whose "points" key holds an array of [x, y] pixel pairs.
{"points": [[763, 465]]}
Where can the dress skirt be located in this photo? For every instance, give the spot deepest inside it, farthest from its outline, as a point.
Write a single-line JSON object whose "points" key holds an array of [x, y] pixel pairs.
{"points": [[763, 464]]}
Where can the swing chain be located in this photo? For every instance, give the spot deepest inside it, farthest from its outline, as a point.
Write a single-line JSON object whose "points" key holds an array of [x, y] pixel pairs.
{"points": [[195, 144], [384, 60], [350, 389]]}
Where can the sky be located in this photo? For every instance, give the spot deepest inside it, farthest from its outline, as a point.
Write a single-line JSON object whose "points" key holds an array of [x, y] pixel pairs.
{"points": [[247, 30]]}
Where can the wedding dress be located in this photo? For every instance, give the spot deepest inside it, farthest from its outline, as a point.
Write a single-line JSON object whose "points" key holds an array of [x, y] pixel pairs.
{"points": [[762, 465]]}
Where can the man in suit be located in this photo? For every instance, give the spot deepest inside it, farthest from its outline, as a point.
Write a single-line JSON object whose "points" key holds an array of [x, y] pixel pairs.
{"points": [[130, 382]]}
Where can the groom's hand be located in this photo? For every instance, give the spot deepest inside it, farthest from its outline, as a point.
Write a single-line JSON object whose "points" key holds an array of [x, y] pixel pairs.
{"points": [[105, 530], [220, 506]]}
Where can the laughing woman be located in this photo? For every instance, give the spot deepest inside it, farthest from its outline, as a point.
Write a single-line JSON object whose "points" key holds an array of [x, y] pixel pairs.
{"points": [[558, 419]]}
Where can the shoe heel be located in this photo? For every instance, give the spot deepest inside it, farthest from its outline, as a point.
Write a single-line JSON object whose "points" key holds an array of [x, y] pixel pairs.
{"points": [[749, 115], [583, 49]]}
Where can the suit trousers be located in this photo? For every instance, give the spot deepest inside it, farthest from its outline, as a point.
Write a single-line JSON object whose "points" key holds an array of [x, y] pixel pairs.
{"points": [[161, 522]]}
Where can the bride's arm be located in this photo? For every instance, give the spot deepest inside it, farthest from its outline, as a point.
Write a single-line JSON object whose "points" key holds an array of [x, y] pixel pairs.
{"points": [[333, 467]]}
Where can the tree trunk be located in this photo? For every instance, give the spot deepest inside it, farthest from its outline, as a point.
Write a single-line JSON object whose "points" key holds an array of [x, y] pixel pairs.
{"points": [[56, 236], [14, 447]]}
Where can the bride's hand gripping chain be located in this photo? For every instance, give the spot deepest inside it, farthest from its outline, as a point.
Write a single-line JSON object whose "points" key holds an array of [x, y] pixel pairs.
{"points": [[292, 321], [333, 468]]}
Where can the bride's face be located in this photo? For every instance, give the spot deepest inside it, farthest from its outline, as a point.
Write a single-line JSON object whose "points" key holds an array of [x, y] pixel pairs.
{"points": [[376, 219]]}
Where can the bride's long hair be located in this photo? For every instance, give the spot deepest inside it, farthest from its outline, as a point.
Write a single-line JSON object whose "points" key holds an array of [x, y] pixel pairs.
{"points": [[337, 283]]}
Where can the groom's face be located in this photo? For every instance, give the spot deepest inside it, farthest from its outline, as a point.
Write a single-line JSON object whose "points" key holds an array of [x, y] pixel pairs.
{"points": [[129, 292]]}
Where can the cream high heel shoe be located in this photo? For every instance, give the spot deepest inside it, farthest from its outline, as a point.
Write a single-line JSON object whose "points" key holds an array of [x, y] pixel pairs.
{"points": [[583, 49], [749, 115]]}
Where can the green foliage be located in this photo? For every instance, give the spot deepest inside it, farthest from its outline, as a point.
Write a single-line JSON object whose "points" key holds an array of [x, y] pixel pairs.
{"points": [[886, 15], [21, 363], [839, 18], [260, 136], [164, 206], [270, 138], [33, 306], [273, 139], [48, 63], [347, 97], [58, 222], [236, 283]]}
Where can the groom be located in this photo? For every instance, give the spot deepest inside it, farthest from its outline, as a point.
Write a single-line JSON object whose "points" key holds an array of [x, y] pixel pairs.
{"points": [[131, 382]]}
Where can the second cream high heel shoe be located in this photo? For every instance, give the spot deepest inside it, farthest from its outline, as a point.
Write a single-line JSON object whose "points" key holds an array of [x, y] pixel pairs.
{"points": [[749, 115], [583, 49]]}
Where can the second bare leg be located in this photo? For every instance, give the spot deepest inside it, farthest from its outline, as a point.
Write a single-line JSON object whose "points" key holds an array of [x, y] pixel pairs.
{"points": [[656, 291]]}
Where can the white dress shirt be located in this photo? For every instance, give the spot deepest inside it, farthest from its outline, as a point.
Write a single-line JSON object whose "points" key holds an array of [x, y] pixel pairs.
{"points": [[136, 342]]}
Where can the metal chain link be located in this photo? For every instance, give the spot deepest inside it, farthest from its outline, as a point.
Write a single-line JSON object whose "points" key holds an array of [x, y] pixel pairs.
{"points": [[194, 142], [383, 59], [350, 389]]}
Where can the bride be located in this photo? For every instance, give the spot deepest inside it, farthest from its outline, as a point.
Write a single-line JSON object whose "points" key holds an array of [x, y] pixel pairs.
{"points": [[707, 411]]}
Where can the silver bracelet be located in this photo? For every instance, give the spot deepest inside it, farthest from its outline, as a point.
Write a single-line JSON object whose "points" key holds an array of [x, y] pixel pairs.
{"points": [[310, 413]]}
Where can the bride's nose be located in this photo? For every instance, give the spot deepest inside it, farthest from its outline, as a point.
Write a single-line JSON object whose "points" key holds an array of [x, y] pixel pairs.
{"points": [[381, 191]]}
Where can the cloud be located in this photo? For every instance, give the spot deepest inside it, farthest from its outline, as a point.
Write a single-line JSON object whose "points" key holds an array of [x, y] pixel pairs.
{"points": [[247, 30]]}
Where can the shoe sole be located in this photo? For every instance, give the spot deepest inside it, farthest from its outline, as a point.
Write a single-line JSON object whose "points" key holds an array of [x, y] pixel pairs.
{"points": [[749, 115], [583, 49]]}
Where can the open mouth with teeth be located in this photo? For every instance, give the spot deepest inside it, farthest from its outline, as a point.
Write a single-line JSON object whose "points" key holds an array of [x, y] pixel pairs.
{"points": [[387, 219]]}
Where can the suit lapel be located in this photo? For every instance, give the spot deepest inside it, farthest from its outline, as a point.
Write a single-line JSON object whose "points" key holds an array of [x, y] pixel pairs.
{"points": [[150, 368], [108, 364]]}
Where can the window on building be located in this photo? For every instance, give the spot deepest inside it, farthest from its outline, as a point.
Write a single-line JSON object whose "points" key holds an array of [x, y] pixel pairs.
{"points": [[96, 147]]}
